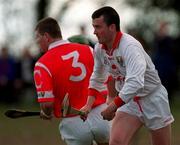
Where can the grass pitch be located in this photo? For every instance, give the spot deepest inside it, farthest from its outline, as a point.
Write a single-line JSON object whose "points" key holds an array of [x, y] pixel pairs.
{"points": [[34, 131]]}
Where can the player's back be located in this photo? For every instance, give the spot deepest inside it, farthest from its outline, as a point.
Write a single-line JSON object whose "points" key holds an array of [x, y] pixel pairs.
{"points": [[70, 66]]}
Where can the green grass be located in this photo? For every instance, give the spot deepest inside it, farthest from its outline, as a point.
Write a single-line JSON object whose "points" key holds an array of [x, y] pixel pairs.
{"points": [[28, 130], [176, 126], [34, 131]]}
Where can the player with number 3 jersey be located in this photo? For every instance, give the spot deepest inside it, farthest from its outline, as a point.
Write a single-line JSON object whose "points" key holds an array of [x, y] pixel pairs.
{"points": [[66, 68]]}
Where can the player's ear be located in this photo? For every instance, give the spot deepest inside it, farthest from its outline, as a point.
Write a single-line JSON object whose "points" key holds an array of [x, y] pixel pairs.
{"points": [[47, 36], [112, 27]]}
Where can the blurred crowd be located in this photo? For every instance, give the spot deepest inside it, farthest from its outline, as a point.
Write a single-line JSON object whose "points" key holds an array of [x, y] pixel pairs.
{"points": [[166, 59], [16, 75]]}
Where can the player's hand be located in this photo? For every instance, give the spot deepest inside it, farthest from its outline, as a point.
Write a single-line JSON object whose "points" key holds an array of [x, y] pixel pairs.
{"points": [[44, 116], [86, 109], [109, 112]]}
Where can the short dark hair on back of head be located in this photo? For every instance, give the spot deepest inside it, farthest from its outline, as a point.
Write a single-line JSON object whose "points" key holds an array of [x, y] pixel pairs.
{"points": [[110, 16], [50, 26]]}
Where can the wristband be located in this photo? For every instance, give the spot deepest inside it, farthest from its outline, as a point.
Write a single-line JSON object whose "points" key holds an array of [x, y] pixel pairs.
{"points": [[118, 101]]}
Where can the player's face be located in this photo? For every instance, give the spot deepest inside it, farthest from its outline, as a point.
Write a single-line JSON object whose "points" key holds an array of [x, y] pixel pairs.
{"points": [[41, 41], [101, 30]]}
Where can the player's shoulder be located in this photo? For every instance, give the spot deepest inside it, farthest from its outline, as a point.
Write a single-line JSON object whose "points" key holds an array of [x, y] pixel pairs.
{"points": [[44, 59], [129, 43], [128, 39], [39, 61]]}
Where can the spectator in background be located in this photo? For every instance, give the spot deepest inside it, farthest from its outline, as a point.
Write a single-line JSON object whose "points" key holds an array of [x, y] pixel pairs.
{"points": [[27, 65], [7, 77], [25, 68], [83, 30], [177, 54], [165, 60]]}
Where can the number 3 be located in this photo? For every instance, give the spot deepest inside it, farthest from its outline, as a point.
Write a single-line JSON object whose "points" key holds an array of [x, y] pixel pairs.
{"points": [[76, 64]]}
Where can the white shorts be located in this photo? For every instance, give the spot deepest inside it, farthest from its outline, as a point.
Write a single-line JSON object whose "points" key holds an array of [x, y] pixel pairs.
{"points": [[153, 110], [76, 132]]}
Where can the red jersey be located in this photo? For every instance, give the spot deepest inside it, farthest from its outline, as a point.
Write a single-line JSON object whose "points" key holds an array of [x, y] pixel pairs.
{"points": [[65, 68]]}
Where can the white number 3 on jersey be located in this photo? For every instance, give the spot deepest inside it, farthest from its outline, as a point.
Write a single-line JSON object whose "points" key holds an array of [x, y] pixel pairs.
{"points": [[76, 64]]}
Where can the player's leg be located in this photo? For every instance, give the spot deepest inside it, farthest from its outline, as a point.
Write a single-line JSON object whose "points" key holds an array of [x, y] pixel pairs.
{"points": [[124, 127], [75, 132], [158, 117], [161, 136], [100, 128]]}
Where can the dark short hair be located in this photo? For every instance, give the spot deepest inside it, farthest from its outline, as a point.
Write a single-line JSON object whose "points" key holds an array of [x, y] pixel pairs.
{"points": [[50, 26], [110, 16]]}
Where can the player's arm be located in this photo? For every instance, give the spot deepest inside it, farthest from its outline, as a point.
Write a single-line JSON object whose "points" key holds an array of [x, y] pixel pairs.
{"points": [[135, 68], [87, 107], [92, 94], [109, 112], [43, 83], [97, 80], [112, 92]]}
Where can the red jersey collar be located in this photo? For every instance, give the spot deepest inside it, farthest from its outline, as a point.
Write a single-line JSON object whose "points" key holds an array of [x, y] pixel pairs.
{"points": [[57, 43], [115, 43]]}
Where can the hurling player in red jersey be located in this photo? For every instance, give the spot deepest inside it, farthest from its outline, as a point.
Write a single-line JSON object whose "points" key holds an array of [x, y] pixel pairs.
{"points": [[65, 68]]}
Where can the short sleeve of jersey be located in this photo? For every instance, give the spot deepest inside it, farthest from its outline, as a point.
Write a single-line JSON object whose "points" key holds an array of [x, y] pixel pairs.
{"points": [[43, 83]]}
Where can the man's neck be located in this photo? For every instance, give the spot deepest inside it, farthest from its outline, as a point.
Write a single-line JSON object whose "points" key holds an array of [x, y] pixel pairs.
{"points": [[112, 43], [109, 44], [55, 39]]}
